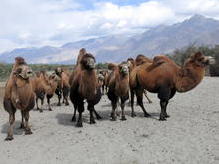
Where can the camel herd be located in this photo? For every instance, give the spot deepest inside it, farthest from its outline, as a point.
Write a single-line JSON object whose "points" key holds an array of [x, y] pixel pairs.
{"points": [[86, 84]]}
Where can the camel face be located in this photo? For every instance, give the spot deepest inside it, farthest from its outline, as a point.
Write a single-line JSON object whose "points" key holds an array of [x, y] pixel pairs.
{"points": [[200, 60], [211, 60], [88, 61], [124, 69], [24, 71]]}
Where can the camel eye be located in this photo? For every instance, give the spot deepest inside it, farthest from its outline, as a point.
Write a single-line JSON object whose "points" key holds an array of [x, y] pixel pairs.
{"points": [[19, 70]]}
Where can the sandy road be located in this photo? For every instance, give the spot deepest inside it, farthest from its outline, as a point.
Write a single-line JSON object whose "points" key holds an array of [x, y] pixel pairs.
{"points": [[191, 134]]}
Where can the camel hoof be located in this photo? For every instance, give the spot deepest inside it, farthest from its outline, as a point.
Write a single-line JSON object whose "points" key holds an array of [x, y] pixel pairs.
{"points": [[79, 124], [123, 118], [133, 115], [59, 104], [167, 116], [98, 117], [28, 132], [22, 126], [50, 109], [92, 122], [113, 119], [73, 119], [40, 110], [147, 115], [9, 138], [162, 119], [67, 104]]}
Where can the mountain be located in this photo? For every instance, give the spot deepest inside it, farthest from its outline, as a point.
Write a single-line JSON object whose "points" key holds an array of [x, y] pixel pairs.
{"points": [[197, 30]]}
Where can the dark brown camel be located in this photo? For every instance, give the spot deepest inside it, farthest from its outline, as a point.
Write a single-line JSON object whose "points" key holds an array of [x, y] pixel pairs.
{"points": [[84, 86]]}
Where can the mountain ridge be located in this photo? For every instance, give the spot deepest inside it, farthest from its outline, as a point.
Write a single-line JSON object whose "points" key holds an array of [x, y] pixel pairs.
{"points": [[162, 39]]}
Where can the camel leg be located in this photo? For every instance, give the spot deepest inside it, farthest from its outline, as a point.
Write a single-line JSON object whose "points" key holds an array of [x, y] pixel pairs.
{"points": [[123, 107], [27, 127], [103, 89], [80, 111], [63, 100], [11, 127], [97, 115], [41, 107], [90, 108], [66, 101], [48, 101], [79, 123], [59, 100], [145, 94], [113, 114], [139, 94], [37, 103], [74, 115], [22, 120], [164, 95], [65, 95], [132, 103]]}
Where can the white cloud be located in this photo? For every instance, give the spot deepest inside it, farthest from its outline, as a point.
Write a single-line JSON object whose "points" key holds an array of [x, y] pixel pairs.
{"points": [[55, 22]]}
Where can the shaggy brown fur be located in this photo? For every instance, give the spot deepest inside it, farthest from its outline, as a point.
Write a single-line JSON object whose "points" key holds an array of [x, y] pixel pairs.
{"points": [[119, 88], [164, 77], [19, 94], [84, 86]]}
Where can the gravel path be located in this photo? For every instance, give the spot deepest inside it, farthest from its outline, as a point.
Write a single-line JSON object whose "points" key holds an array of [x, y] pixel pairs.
{"points": [[191, 134]]}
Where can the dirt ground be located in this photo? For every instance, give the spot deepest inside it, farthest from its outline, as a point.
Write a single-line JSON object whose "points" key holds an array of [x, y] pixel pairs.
{"points": [[190, 135]]}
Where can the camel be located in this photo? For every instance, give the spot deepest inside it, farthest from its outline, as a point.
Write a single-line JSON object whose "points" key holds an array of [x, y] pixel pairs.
{"points": [[63, 86], [165, 78], [19, 94], [140, 59], [100, 78], [39, 88], [119, 88], [84, 86], [51, 83]]}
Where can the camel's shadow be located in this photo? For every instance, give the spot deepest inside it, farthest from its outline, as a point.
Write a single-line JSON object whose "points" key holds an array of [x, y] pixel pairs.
{"points": [[17, 130], [65, 118]]}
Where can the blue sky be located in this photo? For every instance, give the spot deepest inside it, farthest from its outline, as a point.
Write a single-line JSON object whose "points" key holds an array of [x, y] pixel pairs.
{"points": [[28, 23]]}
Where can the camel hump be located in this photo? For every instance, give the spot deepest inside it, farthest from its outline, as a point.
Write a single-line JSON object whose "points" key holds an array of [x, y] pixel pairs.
{"points": [[112, 66], [157, 61]]}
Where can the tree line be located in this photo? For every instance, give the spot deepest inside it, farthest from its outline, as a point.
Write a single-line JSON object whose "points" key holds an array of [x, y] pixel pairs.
{"points": [[179, 56]]}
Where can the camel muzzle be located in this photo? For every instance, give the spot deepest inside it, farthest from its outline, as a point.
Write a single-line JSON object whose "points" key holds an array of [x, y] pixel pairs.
{"points": [[211, 60]]}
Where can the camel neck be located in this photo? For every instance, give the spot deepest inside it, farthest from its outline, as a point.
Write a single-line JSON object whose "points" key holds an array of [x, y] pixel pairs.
{"points": [[188, 77]]}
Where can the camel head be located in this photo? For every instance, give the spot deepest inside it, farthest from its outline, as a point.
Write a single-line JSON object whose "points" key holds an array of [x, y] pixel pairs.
{"points": [[199, 60], [82, 51], [58, 71], [54, 78], [123, 68], [88, 61], [21, 69]]}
